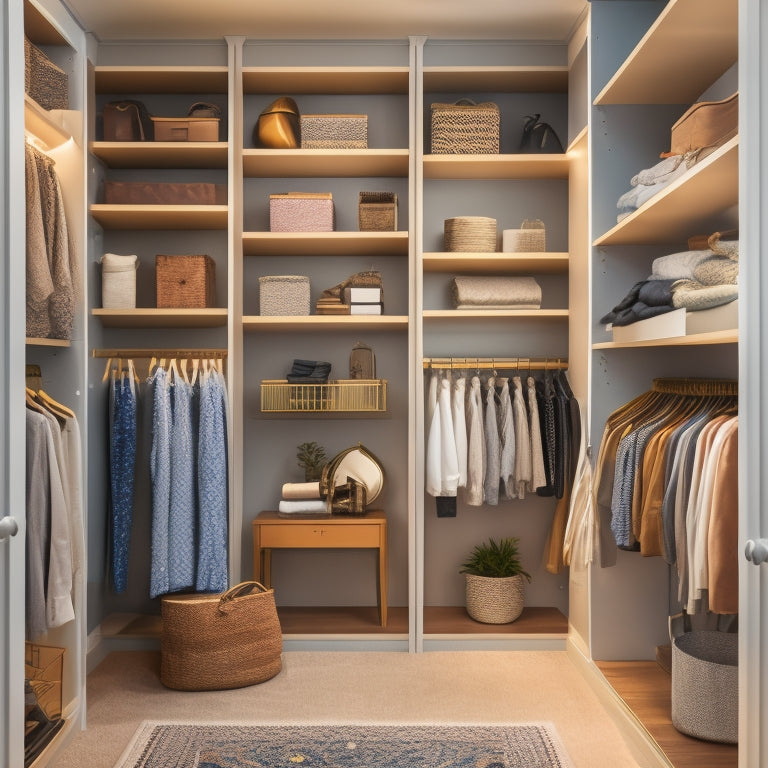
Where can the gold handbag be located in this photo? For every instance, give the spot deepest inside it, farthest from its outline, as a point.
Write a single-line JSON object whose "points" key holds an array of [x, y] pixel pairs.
{"points": [[278, 125]]}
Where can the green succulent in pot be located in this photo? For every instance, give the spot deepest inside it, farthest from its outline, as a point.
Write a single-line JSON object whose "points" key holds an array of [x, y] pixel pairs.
{"points": [[494, 581]]}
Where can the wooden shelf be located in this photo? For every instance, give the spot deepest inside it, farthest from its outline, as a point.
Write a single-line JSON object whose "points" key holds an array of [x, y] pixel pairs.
{"points": [[161, 154], [160, 216], [43, 124], [325, 243], [534, 79], [306, 163], [160, 79], [484, 314], [489, 263], [695, 41], [325, 80], [39, 29], [308, 323], [37, 342], [454, 620], [685, 206], [161, 318], [496, 166], [695, 339]]}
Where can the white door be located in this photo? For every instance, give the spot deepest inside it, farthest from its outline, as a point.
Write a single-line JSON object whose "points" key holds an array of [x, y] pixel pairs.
{"points": [[753, 384], [12, 425]]}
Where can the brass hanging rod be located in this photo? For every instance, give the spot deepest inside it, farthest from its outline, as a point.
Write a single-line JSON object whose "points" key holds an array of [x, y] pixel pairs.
{"points": [[147, 353], [528, 363]]}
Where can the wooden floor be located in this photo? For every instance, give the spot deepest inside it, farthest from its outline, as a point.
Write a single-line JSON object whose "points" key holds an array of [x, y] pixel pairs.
{"points": [[360, 620], [647, 690]]}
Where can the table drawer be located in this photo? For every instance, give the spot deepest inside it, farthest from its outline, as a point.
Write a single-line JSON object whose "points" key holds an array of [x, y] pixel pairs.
{"points": [[320, 535]]}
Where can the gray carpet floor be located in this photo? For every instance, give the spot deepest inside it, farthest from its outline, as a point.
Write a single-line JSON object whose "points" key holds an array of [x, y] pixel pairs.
{"points": [[481, 687]]}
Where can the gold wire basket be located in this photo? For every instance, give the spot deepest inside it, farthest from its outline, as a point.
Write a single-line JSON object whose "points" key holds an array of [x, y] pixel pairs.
{"points": [[344, 395]]}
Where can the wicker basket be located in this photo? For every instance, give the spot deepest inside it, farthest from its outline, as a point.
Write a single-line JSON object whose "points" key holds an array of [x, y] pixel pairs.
{"points": [[350, 395], [530, 238], [302, 212], [213, 642], [470, 234], [377, 212], [118, 281], [705, 696], [185, 282], [492, 600], [465, 128], [44, 81], [334, 131], [284, 295]]}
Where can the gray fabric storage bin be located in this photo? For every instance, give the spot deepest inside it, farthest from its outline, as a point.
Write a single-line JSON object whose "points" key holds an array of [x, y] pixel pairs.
{"points": [[705, 685]]}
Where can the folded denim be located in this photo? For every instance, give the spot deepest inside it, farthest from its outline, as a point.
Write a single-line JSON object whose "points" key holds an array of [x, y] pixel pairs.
{"points": [[303, 369]]}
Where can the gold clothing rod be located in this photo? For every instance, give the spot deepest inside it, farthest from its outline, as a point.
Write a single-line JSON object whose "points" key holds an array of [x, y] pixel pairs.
{"points": [[142, 353], [527, 363]]}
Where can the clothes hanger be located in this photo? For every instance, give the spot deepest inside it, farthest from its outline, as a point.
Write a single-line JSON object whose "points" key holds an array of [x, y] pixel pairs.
{"points": [[184, 373], [58, 408]]}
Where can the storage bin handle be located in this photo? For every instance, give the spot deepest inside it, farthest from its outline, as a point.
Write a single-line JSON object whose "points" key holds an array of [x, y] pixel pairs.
{"points": [[239, 590]]}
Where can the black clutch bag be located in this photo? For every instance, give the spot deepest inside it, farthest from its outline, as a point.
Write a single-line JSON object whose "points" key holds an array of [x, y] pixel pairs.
{"points": [[539, 138]]}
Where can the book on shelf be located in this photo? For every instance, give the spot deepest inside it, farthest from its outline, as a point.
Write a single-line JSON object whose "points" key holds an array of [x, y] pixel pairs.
{"points": [[366, 309]]}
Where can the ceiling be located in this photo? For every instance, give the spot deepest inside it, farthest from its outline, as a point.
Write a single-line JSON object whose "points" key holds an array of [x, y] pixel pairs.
{"points": [[332, 19]]}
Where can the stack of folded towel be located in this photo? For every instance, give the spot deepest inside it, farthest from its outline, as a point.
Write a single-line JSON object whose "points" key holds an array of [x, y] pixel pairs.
{"points": [[302, 499], [694, 280]]}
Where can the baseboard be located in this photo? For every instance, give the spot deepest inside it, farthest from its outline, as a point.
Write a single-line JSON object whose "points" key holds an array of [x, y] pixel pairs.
{"points": [[641, 743]]}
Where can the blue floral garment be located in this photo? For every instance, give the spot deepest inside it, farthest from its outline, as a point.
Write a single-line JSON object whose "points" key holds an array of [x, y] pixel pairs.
{"points": [[160, 473]]}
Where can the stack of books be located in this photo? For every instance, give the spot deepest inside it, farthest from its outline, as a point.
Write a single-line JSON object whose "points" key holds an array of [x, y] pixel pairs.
{"points": [[331, 305], [364, 301]]}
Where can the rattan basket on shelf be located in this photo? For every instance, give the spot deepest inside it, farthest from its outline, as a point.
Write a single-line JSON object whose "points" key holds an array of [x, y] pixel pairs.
{"points": [[494, 600], [470, 234]]}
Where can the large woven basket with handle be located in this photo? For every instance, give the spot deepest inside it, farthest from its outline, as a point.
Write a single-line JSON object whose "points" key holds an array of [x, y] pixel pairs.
{"points": [[494, 600], [213, 642]]}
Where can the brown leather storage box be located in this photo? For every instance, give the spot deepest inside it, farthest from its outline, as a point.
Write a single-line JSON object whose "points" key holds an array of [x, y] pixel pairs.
{"points": [[186, 128], [164, 193], [185, 281]]}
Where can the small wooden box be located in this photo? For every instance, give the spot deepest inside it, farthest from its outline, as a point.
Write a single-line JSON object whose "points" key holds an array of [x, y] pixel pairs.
{"points": [[302, 212], [377, 212], [186, 128], [185, 282], [164, 193], [334, 131]]}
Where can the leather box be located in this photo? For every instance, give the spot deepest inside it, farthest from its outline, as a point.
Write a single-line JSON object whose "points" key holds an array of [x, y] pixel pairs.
{"points": [[164, 193], [185, 281], [186, 128], [302, 212], [706, 124]]}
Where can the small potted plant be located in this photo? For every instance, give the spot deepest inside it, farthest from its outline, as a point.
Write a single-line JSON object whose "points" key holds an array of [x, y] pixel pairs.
{"points": [[311, 458], [494, 581]]}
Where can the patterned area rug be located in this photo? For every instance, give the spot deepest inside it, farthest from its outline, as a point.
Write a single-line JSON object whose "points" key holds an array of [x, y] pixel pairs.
{"points": [[182, 745]]}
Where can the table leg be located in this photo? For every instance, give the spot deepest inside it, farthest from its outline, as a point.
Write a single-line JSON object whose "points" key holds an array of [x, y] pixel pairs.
{"points": [[267, 567], [383, 584]]}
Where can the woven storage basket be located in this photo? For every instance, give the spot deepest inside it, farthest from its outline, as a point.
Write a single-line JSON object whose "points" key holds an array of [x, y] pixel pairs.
{"points": [[118, 281], [214, 642], [530, 238], [377, 212], [705, 696], [284, 295], [185, 282], [470, 234], [465, 128], [334, 131], [44, 81], [493, 600], [302, 212]]}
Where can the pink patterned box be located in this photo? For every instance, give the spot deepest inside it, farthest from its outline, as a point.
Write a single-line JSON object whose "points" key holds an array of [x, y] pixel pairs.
{"points": [[302, 212]]}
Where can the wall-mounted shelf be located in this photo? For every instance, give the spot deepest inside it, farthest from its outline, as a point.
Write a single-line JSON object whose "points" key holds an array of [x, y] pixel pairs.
{"points": [[489, 263], [686, 205], [161, 318], [714, 337], [325, 243], [160, 79], [37, 342], [160, 216], [343, 396], [161, 154], [325, 80], [513, 79], [496, 166], [483, 314], [269, 163], [324, 322], [43, 124], [697, 40]]}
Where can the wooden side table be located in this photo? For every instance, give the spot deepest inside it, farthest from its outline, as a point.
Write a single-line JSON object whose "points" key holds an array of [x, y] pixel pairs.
{"points": [[368, 531]]}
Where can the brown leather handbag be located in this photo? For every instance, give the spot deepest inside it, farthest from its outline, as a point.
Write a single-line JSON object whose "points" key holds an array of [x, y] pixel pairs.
{"points": [[278, 125], [705, 125]]}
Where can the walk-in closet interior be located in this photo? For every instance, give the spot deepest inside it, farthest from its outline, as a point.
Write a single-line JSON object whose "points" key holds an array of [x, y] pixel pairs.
{"points": [[611, 88]]}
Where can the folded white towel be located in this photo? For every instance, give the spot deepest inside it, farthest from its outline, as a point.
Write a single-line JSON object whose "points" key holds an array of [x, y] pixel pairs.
{"points": [[307, 506], [676, 266]]}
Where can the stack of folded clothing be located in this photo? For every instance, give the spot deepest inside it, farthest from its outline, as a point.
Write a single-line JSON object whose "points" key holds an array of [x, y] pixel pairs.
{"points": [[495, 293], [302, 499], [309, 372], [694, 280]]}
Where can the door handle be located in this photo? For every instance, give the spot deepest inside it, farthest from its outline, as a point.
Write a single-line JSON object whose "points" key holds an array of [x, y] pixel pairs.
{"points": [[757, 551], [8, 527]]}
